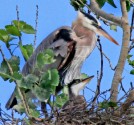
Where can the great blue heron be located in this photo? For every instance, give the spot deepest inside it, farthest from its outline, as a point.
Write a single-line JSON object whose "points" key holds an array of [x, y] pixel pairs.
{"points": [[71, 45]]}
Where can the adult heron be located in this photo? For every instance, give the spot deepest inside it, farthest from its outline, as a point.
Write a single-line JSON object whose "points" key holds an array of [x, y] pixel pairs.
{"points": [[71, 45]]}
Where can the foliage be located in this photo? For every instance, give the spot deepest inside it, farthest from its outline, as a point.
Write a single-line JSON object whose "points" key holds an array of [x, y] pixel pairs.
{"points": [[78, 4], [131, 63], [42, 86], [105, 104]]}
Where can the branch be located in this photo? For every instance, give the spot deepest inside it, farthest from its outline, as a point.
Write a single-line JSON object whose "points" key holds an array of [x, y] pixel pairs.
{"points": [[18, 19], [128, 102], [110, 64], [36, 25], [19, 91], [132, 23], [100, 75], [95, 8], [123, 54], [9, 66]]}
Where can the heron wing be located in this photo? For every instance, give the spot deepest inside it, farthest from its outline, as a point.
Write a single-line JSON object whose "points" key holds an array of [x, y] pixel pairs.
{"points": [[59, 47]]}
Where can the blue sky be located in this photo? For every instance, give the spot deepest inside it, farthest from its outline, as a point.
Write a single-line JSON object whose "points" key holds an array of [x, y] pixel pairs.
{"points": [[53, 14]]}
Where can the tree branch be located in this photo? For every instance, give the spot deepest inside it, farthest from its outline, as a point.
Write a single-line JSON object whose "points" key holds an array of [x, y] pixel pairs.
{"points": [[95, 8], [123, 53]]}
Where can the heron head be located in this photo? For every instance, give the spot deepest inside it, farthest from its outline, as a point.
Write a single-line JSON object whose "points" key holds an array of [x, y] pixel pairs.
{"points": [[93, 24], [79, 84]]}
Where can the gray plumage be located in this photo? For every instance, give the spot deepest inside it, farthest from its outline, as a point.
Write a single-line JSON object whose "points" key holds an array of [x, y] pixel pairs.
{"points": [[71, 48]]}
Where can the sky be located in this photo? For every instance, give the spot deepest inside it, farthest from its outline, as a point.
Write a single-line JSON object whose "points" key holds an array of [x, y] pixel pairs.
{"points": [[53, 14]]}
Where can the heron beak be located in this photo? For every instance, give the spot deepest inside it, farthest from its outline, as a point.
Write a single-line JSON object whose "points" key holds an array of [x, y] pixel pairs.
{"points": [[102, 32], [86, 80]]}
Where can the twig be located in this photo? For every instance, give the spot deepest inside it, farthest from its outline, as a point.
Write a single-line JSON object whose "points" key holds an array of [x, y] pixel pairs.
{"points": [[9, 66], [110, 64], [122, 87], [18, 19], [19, 91], [132, 24], [15, 49], [9, 49], [22, 96], [131, 84], [131, 30], [12, 114], [36, 25], [99, 75]]}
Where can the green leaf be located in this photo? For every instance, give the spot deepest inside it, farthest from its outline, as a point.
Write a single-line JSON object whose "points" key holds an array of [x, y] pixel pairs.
{"points": [[104, 105], [34, 113], [113, 27], [27, 51], [65, 90], [6, 76], [128, 5], [84, 76], [28, 29], [13, 30], [27, 121], [31, 104], [19, 108], [101, 3], [13, 62], [132, 72], [41, 93], [131, 62], [49, 52], [17, 76], [19, 24], [112, 104], [78, 4], [4, 36], [46, 57], [129, 56], [61, 100], [40, 60], [111, 2], [51, 77], [28, 81], [24, 27]]}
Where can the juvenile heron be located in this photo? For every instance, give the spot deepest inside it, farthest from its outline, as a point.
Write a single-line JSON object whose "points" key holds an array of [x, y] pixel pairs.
{"points": [[76, 105], [71, 45]]}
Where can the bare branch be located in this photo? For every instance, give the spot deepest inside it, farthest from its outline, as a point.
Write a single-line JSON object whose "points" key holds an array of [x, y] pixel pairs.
{"points": [[132, 25], [36, 25], [17, 11], [107, 59], [99, 75]]}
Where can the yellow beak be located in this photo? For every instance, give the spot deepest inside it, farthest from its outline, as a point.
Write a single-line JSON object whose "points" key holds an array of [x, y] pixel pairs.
{"points": [[86, 80], [102, 32]]}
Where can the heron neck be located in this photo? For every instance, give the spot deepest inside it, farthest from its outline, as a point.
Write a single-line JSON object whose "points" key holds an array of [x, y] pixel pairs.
{"points": [[71, 94]]}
